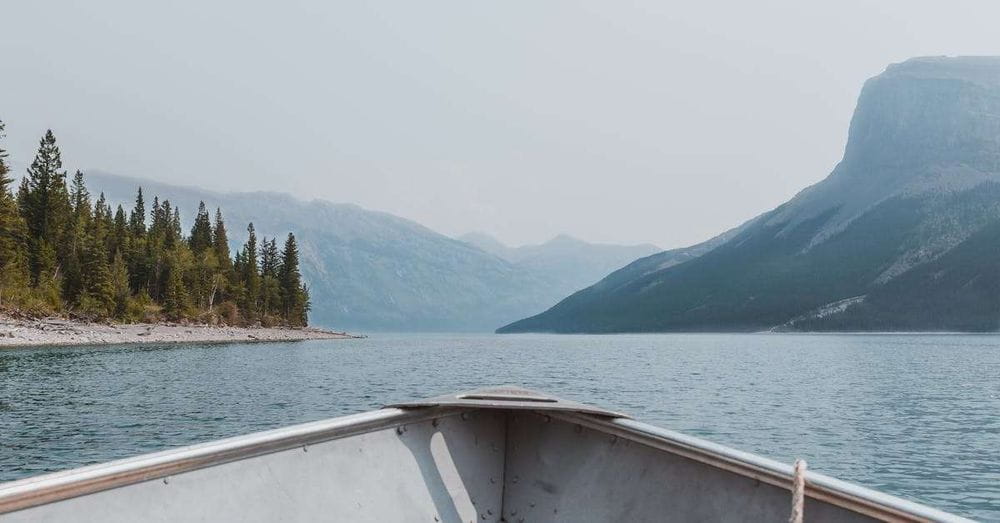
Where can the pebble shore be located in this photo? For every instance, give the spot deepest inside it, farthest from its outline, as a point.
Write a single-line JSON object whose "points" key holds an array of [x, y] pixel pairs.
{"points": [[58, 331]]}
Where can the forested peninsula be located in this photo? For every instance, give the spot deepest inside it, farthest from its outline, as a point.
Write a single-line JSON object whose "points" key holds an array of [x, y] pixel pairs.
{"points": [[64, 254]]}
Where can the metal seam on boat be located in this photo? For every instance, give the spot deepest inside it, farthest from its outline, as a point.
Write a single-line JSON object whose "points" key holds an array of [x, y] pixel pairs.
{"points": [[509, 417]]}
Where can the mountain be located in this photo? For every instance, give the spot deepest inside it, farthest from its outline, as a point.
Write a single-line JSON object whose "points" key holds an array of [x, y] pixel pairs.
{"points": [[568, 264], [902, 235], [487, 243], [370, 270]]}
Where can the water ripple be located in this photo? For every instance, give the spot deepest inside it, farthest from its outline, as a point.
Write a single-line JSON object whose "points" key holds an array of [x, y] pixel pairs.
{"points": [[915, 416]]}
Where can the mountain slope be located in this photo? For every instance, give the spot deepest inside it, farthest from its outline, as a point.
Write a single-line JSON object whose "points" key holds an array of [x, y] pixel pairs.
{"points": [[566, 263], [370, 270], [918, 183], [367, 270]]}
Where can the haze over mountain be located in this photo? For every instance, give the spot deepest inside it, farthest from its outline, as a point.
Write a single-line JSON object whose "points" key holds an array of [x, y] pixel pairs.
{"points": [[370, 270], [904, 234], [564, 262]]}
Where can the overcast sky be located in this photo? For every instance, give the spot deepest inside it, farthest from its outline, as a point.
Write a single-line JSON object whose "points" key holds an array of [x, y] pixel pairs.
{"points": [[614, 121]]}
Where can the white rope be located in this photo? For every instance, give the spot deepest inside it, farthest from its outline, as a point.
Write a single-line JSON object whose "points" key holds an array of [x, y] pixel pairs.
{"points": [[798, 491]]}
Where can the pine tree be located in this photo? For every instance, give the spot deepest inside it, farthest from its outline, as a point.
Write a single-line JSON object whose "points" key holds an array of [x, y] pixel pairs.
{"points": [[165, 225], [4, 169], [98, 297], [46, 208], [79, 198], [175, 295], [118, 238], [81, 228], [249, 275], [302, 308], [48, 287], [158, 243], [136, 246], [153, 259], [137, 220], [294, 296], [23, 198], [225, 276], [175, 226], [269, 258], [13, 255], [120, 285], [72, 270], [270, 287], [104, 222], [220, 241], [156, 218], [201, 231]]}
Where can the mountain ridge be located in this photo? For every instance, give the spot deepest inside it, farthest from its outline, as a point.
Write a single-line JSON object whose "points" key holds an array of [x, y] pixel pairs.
{"points": [[918, 178], [371, 270]]}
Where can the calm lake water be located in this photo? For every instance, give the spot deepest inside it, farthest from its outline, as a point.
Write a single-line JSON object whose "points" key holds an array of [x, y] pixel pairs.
{"points": [[913, 415]]}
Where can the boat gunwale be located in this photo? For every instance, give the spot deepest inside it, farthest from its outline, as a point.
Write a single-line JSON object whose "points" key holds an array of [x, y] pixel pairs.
{"points": [[818, 486], [57, 486], [66, 484]]}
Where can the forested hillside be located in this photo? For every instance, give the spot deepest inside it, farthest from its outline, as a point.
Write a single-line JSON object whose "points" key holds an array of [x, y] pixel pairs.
{"points": [[62, 252]]}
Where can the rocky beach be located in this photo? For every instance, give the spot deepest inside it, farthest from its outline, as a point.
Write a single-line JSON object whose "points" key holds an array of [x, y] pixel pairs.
{"points": [[17, 332]]}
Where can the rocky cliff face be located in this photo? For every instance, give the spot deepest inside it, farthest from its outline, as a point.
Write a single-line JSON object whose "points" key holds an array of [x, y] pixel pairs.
{"points": [[928, 112], [916, 187], [925, 125]]}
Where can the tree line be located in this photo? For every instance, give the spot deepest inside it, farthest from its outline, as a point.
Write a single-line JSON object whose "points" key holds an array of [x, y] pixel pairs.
{"points": [[60, 252]]}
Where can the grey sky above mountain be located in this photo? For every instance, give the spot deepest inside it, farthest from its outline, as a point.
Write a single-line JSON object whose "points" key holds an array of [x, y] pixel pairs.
{"points": [[633, 122]]}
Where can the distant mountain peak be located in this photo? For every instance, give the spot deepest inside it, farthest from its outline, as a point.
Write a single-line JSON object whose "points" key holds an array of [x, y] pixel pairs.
{"points": [[564, 238], [928, 111], [924, 126], [984, 70], [480, 238], [909, 221]]}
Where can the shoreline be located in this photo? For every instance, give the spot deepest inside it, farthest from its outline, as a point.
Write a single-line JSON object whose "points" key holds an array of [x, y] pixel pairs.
{"points": [[54, 331]]}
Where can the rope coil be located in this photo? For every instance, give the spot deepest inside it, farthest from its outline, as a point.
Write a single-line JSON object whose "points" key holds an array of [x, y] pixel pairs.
{"points": [[798, 491]]}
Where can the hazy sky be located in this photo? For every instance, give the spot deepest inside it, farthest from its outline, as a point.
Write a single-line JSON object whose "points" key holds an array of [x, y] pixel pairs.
{"points": [[615, 121]]}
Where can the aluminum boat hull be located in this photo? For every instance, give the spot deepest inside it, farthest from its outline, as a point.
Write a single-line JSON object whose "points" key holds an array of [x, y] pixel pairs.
{"points": [[503, 454]]}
